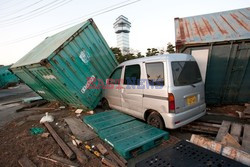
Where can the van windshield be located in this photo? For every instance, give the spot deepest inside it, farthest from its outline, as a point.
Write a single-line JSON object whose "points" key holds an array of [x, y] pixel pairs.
{"points": [[185, 73]]}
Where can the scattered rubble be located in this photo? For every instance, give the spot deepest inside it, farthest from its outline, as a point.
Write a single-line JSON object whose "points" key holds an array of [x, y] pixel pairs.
{"points": [[47, 118], [218, 147], [68, 141], [25, 162], [78, 111]]}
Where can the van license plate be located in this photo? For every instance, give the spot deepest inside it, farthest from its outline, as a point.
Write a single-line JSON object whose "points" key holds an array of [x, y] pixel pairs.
{"points": [[191, 100]]}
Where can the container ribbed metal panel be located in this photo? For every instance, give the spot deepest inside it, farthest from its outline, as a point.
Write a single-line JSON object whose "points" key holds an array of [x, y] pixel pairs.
{"points": [[58, 69], [220, 26]]}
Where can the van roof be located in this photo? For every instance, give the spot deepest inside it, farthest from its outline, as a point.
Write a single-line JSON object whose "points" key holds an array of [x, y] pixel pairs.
{"points": [[169, 57]]}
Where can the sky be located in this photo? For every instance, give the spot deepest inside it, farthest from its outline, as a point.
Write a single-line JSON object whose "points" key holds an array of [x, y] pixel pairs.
{"points": [[26, 23]]}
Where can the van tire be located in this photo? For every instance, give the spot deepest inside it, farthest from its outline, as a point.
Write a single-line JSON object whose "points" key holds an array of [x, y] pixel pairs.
{"points": [[105, 104], [155, 120]]}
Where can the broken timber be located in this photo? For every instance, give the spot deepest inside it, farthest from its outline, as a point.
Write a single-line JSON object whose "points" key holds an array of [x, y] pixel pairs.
{"points": [[102, 149], [230, 152], [223, 130], [56, 159], [246, 138], [229, 140], [203, 127], [25, 162], [236, 133], [33, 104], [79, 154], [79, 129], [60, 142]]}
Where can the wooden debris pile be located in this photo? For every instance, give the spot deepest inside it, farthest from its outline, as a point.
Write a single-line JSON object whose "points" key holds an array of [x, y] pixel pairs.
{"points": [[232, 141]]}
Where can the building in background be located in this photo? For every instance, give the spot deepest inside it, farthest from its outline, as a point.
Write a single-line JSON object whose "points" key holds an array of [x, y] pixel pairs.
{"points": [[122, 29], [220, 43]]}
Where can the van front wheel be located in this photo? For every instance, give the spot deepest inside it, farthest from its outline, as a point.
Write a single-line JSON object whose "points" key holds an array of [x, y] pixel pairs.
{"points": [[105, 104], [155, 120]]}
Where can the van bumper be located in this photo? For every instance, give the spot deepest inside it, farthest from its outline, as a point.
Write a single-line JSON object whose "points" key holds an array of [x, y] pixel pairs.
{"points": [[173, 121]]}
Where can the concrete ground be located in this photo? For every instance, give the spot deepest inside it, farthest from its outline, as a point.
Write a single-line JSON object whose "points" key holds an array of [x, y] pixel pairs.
{"points": [[10, 100]]}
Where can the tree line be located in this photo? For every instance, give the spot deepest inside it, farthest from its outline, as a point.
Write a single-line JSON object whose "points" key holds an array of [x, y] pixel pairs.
{"points": [[150, 52]]}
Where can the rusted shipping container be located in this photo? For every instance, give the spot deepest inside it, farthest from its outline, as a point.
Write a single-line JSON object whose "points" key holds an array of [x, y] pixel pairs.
{"points": [[220, 42]]}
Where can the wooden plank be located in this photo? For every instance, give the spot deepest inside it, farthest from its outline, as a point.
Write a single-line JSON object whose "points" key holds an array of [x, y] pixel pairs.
{"points": [[225, 126], [63, 160], [206, 124], [79, 154], [201, 129], [217, 147], [33, 104], [79, 129], [229, 140], [60, 142], [39, 116], [118, 159], [236, 154], [236, 130], [247, 110], [39, 109], [108, 163], [246, 138], [206, 143], [102, 149], [60, 160], [26, 162]]}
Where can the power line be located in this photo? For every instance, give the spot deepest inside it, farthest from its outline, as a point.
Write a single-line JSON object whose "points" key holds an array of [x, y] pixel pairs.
{"points": [[74, 21], [6, 2], [19, 10], [33, 11], [13, 4], [44, 11]]}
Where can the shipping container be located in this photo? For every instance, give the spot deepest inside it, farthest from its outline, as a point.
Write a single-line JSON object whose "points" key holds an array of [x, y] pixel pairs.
{"points": [[65, 65], [6, 77], [220, 43]]}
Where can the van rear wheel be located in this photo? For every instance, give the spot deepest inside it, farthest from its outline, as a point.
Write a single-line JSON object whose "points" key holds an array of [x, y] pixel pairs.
{"points": [[155, 120]]}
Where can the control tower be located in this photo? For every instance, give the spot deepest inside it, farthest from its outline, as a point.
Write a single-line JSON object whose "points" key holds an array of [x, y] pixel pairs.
{"points": [[122, 29]]}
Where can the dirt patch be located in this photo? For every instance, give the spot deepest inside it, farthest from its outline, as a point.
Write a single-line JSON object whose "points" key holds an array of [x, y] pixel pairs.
{"points": [[229, 110], [16, 141]]}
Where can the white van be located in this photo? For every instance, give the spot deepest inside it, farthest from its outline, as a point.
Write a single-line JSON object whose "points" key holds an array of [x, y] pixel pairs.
{"points": [[165, 90]]}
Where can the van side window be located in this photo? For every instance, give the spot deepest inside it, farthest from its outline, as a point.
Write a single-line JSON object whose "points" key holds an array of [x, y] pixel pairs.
{"points": [[116, 76], [185, 73], [155, 73], [132, 75]]}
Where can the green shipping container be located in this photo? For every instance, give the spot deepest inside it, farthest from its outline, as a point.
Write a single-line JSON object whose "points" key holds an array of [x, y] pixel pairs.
{"points": [[60, 68], [6, 77]]}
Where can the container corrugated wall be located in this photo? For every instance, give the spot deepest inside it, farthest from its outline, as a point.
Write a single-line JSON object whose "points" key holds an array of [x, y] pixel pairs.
{"points": [[6, 77], [62, 76], [228, 72], [220, 42]]}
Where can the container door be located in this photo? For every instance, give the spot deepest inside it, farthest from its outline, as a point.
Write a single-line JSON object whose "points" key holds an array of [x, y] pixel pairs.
{"points": [[113, 89], [187, 88], [131, 93], [236, 89]]}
